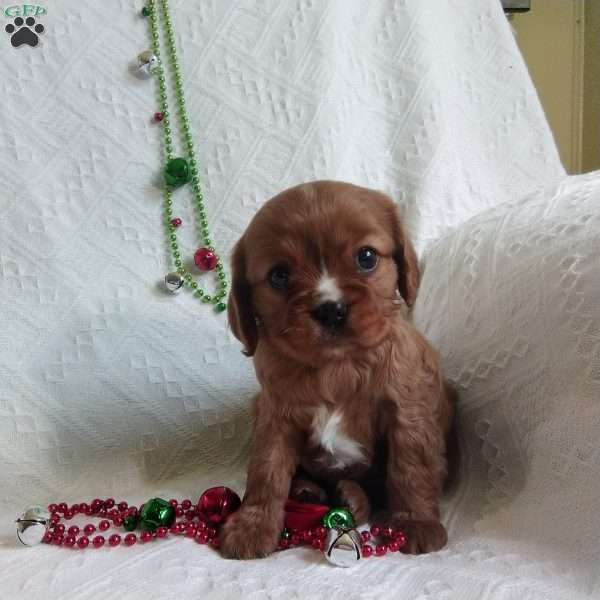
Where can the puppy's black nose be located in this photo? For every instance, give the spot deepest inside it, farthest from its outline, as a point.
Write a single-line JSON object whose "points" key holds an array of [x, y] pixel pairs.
{"points": [[331, 314]]}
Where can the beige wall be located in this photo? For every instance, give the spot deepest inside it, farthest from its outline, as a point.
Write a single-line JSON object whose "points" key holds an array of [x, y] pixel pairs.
{"points": [[591, 96], [560, 40], [551, 39]]}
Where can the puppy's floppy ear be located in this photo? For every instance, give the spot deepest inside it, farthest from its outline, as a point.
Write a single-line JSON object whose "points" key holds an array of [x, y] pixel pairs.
{"points": [[239, 307], [407, 264]]}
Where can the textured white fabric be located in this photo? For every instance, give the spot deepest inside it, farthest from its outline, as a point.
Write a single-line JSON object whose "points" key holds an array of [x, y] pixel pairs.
{"points": [[512, 301], [109, 386]]}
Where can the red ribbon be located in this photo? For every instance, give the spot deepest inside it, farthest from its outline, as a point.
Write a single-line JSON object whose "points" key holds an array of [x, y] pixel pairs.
{"points": [[303, 515]]}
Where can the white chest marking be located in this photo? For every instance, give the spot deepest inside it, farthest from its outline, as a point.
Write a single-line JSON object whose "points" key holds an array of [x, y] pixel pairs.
{"points": [[328, 289], [326, 432]]}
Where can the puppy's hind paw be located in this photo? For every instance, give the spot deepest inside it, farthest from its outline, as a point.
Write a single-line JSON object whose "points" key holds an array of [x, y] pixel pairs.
{"points": [[421, 536]]}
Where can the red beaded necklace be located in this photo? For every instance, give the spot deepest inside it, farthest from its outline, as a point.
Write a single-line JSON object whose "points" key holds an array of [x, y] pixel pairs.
{"points": [[109, 510], [199, 522]]}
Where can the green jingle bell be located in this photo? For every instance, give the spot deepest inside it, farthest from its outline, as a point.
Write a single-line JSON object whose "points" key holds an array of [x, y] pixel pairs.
{"points": [[130, 523], [177, 172], [156, 513], [338, 517]]}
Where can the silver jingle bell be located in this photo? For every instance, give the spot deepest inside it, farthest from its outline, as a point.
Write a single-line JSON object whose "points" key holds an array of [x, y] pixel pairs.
{"points": [[32, 525], [147, 62], [174, 282], [343, 547]]}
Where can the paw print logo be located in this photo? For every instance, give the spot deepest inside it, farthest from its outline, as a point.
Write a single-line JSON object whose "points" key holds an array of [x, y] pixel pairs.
{"points": [[24, 32]]}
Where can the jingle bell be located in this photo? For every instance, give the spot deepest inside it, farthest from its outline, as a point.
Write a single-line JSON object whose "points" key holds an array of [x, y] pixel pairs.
{"points": [[32, 525], [338, 517], [147, 62], [130, 523], [156, 513], [174, 282], [206, 259], [343, 547], [216, 504], [177, 172]]}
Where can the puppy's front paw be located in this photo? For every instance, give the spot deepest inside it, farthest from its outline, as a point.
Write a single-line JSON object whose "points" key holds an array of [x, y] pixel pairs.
{"points": [[421, 536], [249, 533], [352, 495]]}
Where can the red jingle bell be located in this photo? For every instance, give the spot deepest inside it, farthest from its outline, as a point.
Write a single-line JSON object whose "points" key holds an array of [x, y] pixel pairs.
{"points": [[217, 503], [206, 259]]}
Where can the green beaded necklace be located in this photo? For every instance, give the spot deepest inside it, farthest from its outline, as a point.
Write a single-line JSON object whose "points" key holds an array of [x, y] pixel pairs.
{"points": [[180, 171]]}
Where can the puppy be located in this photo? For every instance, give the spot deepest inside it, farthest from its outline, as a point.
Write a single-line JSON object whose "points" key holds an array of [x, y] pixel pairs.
{"points": [[349, 387]]}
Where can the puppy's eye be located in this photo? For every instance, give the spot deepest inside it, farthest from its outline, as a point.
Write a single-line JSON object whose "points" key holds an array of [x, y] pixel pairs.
{"points": [[279, 277], [366, 259]]}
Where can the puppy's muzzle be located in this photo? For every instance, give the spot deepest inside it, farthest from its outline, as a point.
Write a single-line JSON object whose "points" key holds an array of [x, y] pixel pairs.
{"points": [[332, 315]]}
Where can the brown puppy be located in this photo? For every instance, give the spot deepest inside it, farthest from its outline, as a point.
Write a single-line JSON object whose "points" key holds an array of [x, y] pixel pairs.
{"points": [[317, 280]]}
